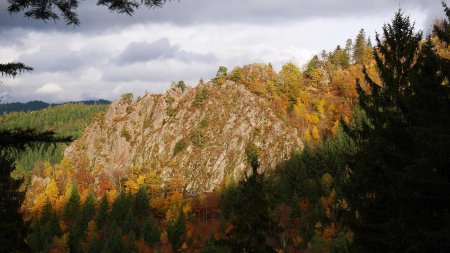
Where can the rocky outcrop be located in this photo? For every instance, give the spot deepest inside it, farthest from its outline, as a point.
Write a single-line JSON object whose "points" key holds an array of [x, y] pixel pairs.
{"points": [[199, 134]]}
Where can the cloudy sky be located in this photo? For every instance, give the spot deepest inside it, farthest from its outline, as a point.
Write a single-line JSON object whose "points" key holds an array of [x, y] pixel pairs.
{"points": [[110, 54]]}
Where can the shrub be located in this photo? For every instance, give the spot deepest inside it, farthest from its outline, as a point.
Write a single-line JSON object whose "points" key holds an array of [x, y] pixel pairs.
{"points": [[125, 134], [179, 146], [200, 97], [127, 97]]}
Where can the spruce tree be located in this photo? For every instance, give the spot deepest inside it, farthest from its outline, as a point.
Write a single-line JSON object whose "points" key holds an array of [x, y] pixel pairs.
{"points": [[250, 211], [151, 232], [102, 214], [398, 180], [72, 205], [176, 231], [141, 204]]}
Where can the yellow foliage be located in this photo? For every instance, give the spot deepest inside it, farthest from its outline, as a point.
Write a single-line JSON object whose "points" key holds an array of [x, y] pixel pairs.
{"points": [[140, 180], [315, 133], [131, 186], [111, 195], [52, 191], [307, 136], [48, 169]]}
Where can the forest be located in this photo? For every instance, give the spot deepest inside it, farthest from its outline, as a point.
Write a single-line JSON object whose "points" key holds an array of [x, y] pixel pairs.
{"points": [[372, 177]]}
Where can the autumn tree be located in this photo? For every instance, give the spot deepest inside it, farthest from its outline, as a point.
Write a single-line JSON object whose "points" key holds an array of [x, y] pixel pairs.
{"points": [[291, 82]]}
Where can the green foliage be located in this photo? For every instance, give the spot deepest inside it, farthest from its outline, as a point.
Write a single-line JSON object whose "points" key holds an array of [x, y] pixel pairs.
{"points": [[248, 211], [200, 97], [179, 146], [222, 71], [197, 137], [151, 232], [125, 133], [180, 84], [102, 214], [176, 231], [72, 205], [129, 109], [47, 11], [127, 97], [404, 144], [68, 120], [360, 48], [236, 75], [141, 203], [12, 229]]}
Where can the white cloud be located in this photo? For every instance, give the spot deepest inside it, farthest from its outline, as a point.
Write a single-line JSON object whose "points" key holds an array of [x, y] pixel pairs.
{"points": [[49, 88]]}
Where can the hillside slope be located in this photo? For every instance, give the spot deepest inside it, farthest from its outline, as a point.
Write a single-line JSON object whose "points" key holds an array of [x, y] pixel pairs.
{"points": [[198, 135]]}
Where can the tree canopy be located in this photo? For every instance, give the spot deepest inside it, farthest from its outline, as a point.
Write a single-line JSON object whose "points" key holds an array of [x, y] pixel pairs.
{"points": [[48, 9]]}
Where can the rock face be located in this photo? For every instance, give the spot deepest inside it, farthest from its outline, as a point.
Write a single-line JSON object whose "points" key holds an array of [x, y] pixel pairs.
{"points": [[199, 134]]}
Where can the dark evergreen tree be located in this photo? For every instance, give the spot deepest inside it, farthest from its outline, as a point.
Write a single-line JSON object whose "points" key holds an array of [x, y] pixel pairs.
{"points": [[120, 208], [94, 245], [102, 213], [398, 180], [46, 10], [72, 205], [43, 230], [142, 204], [176, 231], [250, 211], [129, 222], [113, 240], [151, 233], [12, 229], [212, 246]]}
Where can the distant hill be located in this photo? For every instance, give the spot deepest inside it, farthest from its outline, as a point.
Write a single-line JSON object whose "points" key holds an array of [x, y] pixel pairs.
{"points": [[69, 119], [39, 105]]}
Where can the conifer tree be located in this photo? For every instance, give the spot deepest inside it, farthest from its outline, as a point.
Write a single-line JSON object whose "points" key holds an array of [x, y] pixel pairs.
{"points": [[12, 229], [250, 211], [72, 205], [141, 203], [176, 231], [102, 214], [398, 180], [151, 232], [360, 48]]}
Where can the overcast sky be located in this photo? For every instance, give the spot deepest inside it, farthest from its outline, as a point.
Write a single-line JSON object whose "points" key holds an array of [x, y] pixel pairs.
{"points": [[110, 54]]}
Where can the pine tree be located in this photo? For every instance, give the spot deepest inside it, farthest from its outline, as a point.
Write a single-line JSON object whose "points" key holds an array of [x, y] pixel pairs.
{"points": [[398, 180]]}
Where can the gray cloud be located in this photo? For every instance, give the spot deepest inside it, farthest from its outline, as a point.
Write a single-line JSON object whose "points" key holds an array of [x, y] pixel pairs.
{"points": [[144, 51], [188, 12], [160, 49]]}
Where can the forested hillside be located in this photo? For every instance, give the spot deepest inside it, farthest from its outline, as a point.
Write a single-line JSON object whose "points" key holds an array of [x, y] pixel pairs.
{"points": [[39, 105], [67, 120]]}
